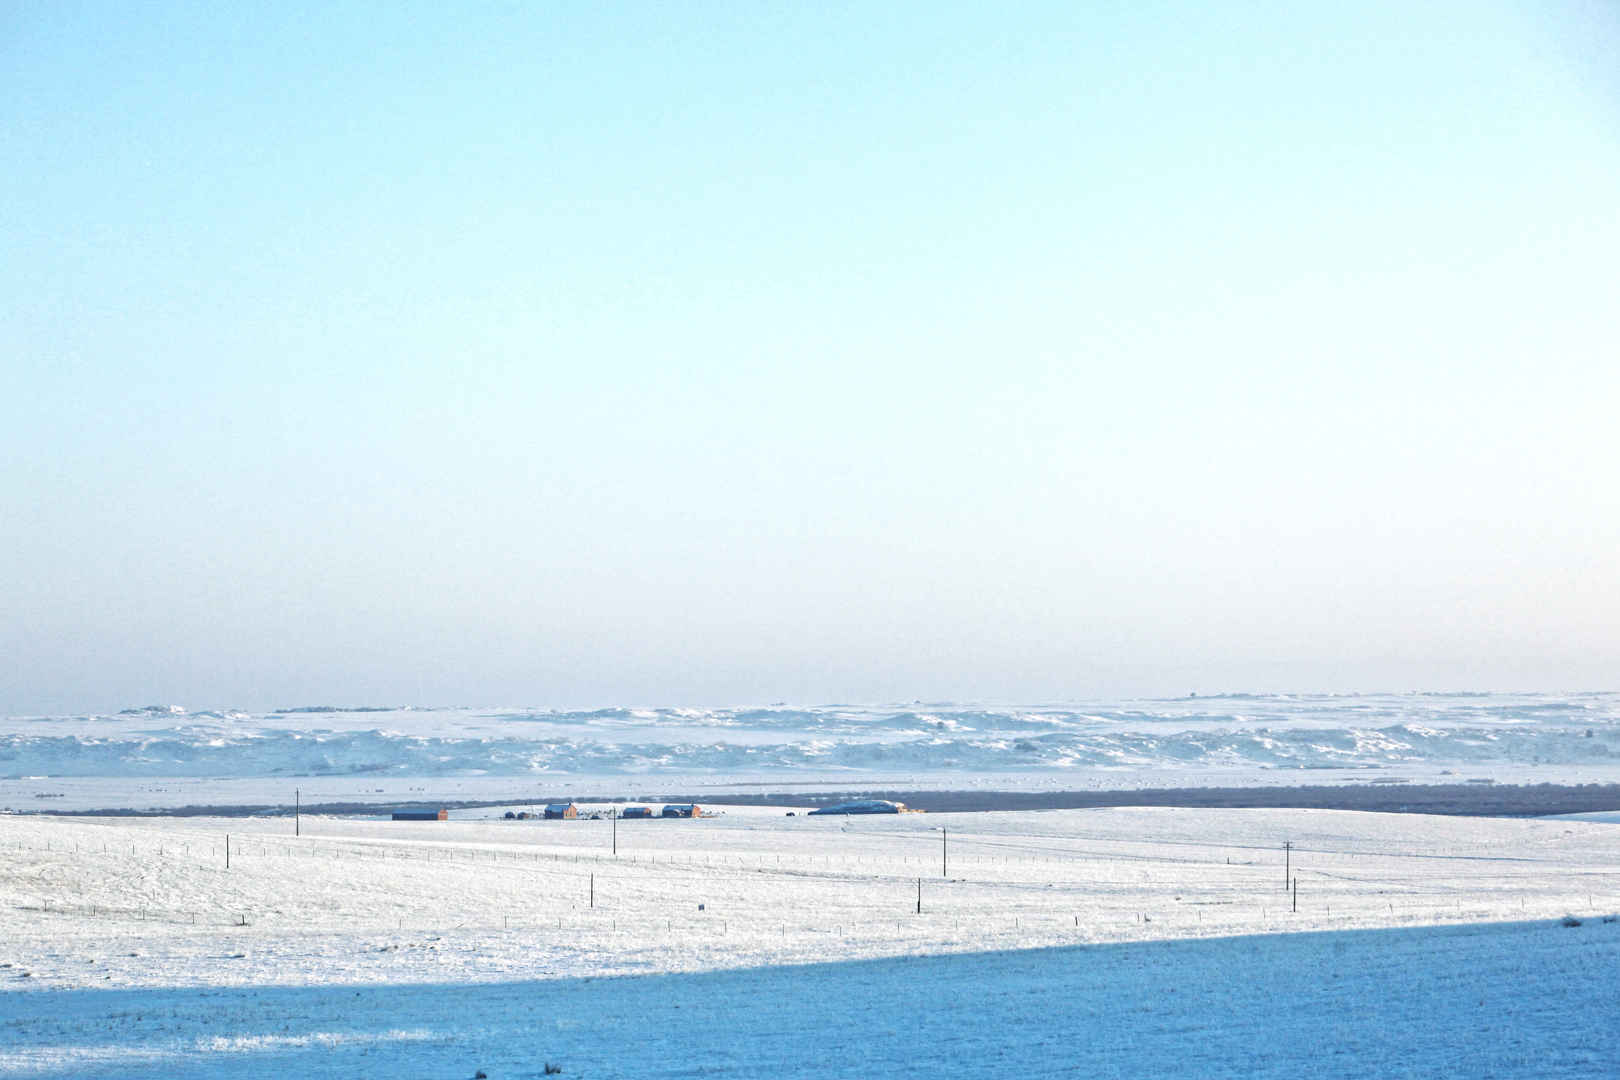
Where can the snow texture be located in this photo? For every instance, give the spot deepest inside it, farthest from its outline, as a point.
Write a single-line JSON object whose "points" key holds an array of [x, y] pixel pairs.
{"points": [[165, 756], [1112, 943]]}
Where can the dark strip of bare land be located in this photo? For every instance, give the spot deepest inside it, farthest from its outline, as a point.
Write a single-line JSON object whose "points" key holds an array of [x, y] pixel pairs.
{"points": [[1495, 800], [1481, 800]]}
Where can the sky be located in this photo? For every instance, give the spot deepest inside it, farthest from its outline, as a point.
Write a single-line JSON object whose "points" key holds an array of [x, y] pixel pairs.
{"points": [[576, 354]]}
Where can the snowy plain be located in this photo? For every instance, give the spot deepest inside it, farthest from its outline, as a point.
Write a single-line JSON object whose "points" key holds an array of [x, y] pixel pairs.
{"points": [[1108, 942], [1114, 942]]}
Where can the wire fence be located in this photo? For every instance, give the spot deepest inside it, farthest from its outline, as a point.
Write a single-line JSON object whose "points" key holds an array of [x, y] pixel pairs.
{"points": [[930, 926], [867, 894]]}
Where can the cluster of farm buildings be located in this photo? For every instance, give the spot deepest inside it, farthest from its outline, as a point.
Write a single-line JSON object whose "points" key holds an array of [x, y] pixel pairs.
{"points": [[570, 812], [564, 812]]}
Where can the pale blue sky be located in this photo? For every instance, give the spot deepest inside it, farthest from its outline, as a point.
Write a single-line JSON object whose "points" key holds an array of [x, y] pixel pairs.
{"points": [[572, 354]]}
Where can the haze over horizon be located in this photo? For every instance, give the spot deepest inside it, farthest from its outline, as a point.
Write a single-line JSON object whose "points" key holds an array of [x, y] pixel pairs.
{"points": [[650, 356]]}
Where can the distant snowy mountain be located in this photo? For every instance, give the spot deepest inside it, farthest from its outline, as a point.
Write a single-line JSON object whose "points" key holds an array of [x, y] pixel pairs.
{"points": [[1437, 733]]}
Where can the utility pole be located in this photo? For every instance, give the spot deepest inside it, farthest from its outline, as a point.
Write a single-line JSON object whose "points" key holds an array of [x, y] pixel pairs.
{"points": [[919, 896], [227, 851], [1288, 859], [296, 806], [944, 854], [615, 816]]}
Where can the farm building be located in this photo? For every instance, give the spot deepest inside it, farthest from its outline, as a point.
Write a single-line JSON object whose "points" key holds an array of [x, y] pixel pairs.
{"points": [[636, 811], [422, 815], [683, 810], [561, 811]]}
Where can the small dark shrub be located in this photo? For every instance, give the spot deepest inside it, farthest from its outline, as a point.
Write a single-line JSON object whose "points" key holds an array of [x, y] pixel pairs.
{"points": [[1569, 920]]}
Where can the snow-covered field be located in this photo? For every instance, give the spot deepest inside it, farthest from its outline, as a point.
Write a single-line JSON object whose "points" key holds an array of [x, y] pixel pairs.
{"points": [[1098, 942], [1111, 942]]}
